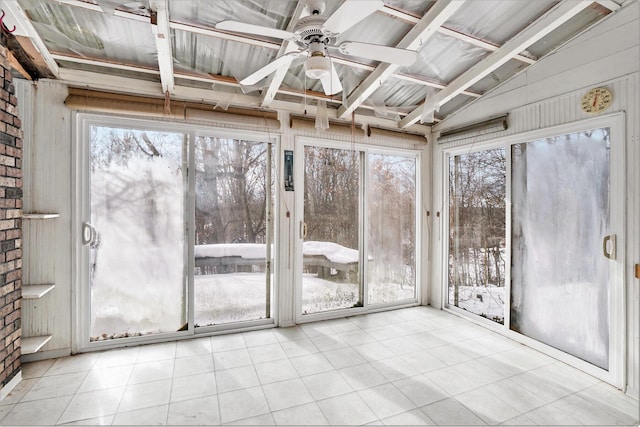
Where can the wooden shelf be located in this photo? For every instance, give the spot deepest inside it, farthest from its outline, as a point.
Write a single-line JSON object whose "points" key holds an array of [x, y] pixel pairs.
{"points": [[40, 215], [36, 291], [31, 345]]}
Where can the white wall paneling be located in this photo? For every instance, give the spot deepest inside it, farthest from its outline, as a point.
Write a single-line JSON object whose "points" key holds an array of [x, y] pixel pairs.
{"points": [[47, 183]]}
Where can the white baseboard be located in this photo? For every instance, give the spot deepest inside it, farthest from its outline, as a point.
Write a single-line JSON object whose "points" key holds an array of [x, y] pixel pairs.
{"points": [[4, 391]]}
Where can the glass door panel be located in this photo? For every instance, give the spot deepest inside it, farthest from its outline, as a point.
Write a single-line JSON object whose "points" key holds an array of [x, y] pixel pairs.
{"points": [[391, 243], [232, 236], [477, 228], [136, 233], [331, 255], [560, 278]]}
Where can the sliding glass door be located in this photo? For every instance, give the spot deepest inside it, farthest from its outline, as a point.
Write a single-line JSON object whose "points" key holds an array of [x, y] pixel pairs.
{"points": [[233, 232], [549, 265], [331, 229], [135, 233], [477, 233], [391, 223], [357, 198], [561, 215], [175, 230]]}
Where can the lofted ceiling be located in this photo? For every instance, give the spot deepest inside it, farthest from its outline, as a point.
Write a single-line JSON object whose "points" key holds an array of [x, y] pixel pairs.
{"points": [[177, 48]]}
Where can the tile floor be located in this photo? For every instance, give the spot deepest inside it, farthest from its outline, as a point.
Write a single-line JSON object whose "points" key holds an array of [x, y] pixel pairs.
{"points": [[413, 366]]}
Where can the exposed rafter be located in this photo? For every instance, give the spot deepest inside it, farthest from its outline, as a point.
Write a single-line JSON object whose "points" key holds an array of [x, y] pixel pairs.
{"points": [[162, 35], [481, 43], [212, 32], [531, 34], [428, 25], [24, 22], [468, 38], [609, 4]]}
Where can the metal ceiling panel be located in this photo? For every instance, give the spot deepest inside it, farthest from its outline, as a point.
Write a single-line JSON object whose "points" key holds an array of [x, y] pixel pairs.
{"points": [[571, 28], [497, 21], [208, 55], [268, 13], [443, 58], [84, 33], [412, 7], [503, 73]]}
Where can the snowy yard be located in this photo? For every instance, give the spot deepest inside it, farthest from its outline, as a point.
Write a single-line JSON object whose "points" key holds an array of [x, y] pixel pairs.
{"points": [[486, 301]]}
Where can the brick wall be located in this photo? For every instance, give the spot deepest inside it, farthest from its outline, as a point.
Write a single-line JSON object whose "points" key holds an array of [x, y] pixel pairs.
{"points": [[10, 226]]}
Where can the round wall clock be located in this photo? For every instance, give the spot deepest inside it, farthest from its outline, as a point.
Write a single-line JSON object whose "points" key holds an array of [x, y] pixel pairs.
{"points": [[596, 100]]}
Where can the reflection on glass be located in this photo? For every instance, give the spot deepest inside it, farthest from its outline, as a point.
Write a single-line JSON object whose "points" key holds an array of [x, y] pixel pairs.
{"points": [[232, 282], [477, 233], [137, 253], [392, 228], [331, 256], [560, 286]]}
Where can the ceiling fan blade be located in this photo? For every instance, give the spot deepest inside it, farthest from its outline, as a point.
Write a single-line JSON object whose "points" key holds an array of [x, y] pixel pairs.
{"points": [[350, 13], [388, 54], [283, 61], [258, 30], [331, 82]]}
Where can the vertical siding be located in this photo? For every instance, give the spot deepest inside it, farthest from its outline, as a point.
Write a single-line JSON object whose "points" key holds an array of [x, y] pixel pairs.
{"points": [[633, 233], [47, 184]]}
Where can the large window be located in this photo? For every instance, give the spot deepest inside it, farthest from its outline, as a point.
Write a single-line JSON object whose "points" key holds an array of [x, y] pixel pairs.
{"points": [[232, 237], [331, 254], [476, 279], [392, 228], [136, 232]]}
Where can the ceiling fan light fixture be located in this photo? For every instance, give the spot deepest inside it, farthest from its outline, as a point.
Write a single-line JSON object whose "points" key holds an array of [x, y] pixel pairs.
{"points": [[317, 66]]}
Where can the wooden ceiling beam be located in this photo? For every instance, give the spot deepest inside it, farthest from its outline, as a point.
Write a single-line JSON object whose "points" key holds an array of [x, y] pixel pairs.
{"points": [[521, 41], [25, 24], [419, 34], [162, 36]]}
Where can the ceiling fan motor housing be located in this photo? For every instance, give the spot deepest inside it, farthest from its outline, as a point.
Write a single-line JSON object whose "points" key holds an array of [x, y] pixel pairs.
{"points": [[309, 30]]}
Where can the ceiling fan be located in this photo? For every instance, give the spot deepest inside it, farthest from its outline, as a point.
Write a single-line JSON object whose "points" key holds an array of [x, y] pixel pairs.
{"points": [[315, 36]]}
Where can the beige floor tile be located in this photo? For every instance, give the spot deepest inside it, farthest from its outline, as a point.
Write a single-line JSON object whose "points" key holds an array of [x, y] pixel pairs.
{"points": [[241, 404], [200, 411], [308, 414], [348, 409], [286, 394]]}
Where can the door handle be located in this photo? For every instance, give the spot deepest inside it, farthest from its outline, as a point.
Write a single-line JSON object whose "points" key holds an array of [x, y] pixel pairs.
{"points": [[89, 233], [303, 230], [611, 254]]}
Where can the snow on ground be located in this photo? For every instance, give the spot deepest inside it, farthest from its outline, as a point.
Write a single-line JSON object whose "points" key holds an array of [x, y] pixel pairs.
{"points": [[486, 301], [236, 297]]}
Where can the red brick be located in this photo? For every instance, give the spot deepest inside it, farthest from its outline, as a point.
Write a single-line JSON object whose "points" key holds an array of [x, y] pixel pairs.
{"points": [[13, 277], [15, 254], [12, 317], [14, 172]]}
